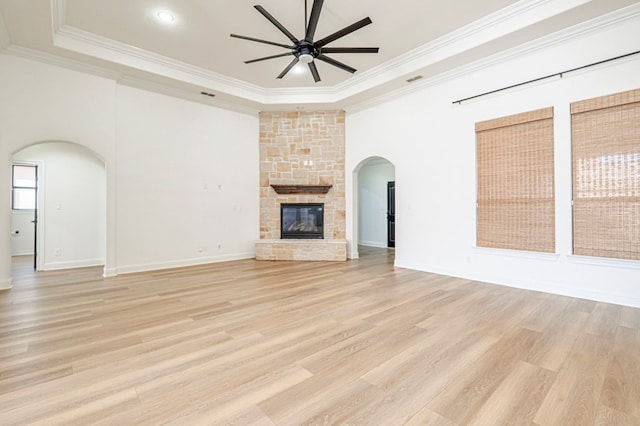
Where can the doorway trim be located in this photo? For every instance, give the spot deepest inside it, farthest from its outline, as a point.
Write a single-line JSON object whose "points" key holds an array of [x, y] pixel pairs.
{"points": [[40, 207], [353, 252], [41, 191]]}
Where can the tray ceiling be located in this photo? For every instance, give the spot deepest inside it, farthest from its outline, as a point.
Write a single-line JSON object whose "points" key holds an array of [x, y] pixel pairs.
{"points": [[195, 53]]}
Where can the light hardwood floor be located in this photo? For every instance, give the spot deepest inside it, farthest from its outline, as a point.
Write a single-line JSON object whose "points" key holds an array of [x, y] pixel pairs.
{"points": [[359, 342]]}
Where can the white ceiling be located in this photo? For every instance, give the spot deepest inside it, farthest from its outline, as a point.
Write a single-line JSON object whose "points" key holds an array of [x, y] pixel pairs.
{"points": [[195, 52]]}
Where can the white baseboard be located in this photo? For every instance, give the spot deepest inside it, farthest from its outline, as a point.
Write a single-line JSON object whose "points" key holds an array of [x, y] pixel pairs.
{"points": [[22, 253], [6, 283], [109, 272], [373, 244], [130, 269], [54, 266], [527, 284]]}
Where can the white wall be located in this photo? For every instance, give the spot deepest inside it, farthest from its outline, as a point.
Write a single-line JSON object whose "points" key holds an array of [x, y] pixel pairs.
{"points": [[40, 102], [372, 199], [167, 151], [72, 209], [434, 157], [187, 182], [173, 206]]}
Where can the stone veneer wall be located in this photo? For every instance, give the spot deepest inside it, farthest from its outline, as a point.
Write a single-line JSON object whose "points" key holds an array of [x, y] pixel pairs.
{"points": [[302, 148]]}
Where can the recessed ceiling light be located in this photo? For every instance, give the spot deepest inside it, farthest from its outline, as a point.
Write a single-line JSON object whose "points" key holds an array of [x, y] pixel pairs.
{"points": [[299, 69], [165, 16]]}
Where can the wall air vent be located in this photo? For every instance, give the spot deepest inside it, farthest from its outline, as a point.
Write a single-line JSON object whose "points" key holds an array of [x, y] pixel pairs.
{"points": [[412, 79]]}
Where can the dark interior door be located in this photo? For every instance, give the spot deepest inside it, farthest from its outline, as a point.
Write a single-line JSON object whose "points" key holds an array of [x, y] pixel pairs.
{"points": [[35, 237], [391, 214]]}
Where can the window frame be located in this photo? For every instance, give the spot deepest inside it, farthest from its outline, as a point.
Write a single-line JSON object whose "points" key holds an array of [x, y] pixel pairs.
{"points": [[605, 158], [15, 187], [508, 212]]}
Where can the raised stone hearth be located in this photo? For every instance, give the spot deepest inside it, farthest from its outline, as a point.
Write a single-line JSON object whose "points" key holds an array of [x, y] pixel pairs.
{"points": [[302, 161], [309, 250]]}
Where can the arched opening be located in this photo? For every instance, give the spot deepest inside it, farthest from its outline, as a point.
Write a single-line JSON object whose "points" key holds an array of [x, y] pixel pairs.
{"points": [[70, 208], [374, 216]]}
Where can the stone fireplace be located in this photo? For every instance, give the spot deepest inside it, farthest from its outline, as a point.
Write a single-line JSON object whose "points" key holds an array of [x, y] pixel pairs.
{"points": [[302, 163]]}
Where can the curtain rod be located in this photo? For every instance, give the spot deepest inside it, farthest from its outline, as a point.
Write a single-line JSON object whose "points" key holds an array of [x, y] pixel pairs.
{"points": [[459, 101]]}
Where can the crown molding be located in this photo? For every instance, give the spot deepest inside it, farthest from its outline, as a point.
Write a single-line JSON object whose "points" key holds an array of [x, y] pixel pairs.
{"points": [[48, 58], [90, 44], [592, 26], [110, 50], [499, 24], [58, 14], [398, 67], [482, 31], [5, 41], [163, 89]]}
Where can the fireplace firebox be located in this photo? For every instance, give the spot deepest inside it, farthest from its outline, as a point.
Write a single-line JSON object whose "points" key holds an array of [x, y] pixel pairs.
{"points": [[302, 220]]}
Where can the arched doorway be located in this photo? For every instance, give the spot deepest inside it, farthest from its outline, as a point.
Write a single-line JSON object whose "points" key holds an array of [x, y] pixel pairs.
{"points": [[374, 222], [70, 230]]}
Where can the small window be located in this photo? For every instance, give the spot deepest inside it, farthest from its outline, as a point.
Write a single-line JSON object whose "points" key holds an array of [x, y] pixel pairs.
{"points": [[24, 184]]}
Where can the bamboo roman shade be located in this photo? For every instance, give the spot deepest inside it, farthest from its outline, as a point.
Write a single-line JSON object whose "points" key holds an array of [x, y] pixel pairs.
{"points": [[606, 176], [515, 166]]}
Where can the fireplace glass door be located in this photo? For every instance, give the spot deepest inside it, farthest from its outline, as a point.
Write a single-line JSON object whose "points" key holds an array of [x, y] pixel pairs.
{"points": [[302, 220]]}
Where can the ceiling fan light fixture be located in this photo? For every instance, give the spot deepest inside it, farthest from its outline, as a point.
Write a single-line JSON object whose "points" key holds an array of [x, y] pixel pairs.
{"points": [[306, 58]]}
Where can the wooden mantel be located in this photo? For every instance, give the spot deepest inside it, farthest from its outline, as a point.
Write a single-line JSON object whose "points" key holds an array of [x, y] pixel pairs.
{"points": [[301, 189]]}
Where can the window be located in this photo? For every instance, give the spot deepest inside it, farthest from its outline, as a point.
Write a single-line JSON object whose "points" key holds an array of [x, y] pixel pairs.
{"points": [[515, 167], [24, 180], [605, 136]]}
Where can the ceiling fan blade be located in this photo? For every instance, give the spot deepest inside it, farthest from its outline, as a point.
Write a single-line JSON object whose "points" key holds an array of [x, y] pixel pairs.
{"points": [[262, 41], [343, 32], [288, 68], [313, 20], [336, 63], [275, 22], [314, 71], [350, 49], [268, 57]]}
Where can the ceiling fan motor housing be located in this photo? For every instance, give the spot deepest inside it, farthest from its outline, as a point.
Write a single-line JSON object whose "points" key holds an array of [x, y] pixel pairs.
{"points": [[305, 52]]}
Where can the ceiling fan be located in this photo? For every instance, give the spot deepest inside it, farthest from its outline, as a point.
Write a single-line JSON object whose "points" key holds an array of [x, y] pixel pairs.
{"points": [[307, 50]]}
